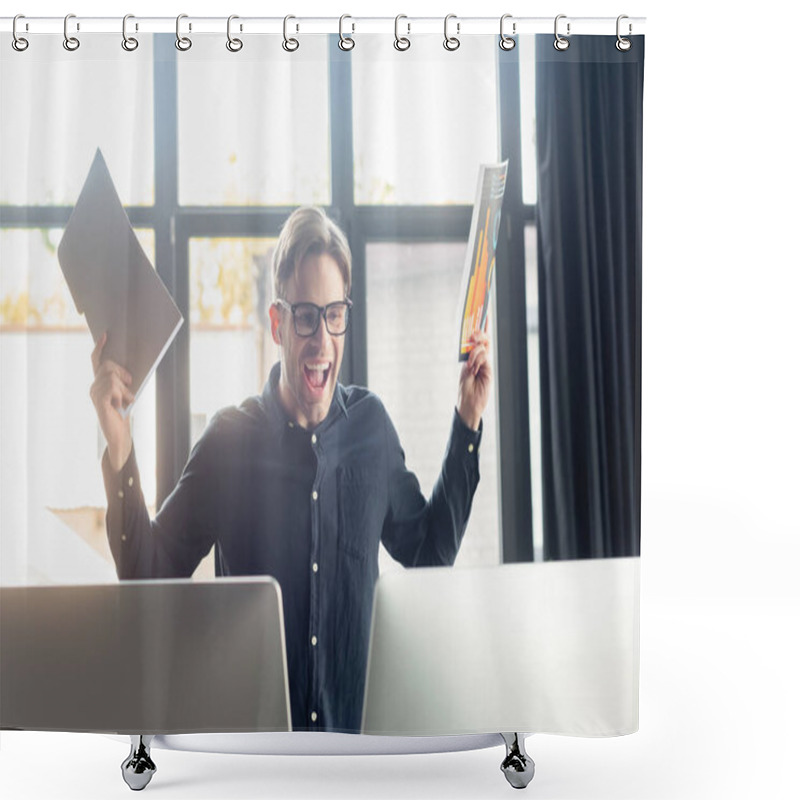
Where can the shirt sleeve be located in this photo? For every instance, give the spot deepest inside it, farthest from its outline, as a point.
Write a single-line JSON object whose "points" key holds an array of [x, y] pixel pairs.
{"points": [[172, 544], [419, 532]]}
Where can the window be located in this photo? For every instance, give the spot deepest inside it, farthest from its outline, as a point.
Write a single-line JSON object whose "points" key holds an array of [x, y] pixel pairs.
{"points": [[413, 340], [257, 147], [421, 101], [527, 93], [534, 403], [94, 99], [393, 158], [231, 349], [49, 468]]}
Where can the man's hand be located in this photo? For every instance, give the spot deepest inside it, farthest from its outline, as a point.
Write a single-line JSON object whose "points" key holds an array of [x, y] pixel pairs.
{"points": [[110, 394], [475, 382]]}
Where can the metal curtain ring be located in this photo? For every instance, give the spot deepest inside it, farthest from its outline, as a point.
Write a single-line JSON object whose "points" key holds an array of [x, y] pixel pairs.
{"points": [[622, 44], [19, 43], [506, 42], [451, 42], [401, 43], [129, 43], [289, 45], [346, 42], [70, 42], [233, 44], [560, 43], [183, 43]]}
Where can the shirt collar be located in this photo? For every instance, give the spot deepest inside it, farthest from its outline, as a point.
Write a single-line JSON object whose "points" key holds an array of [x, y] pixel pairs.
{"points": [[278, 414], [338, 399]]}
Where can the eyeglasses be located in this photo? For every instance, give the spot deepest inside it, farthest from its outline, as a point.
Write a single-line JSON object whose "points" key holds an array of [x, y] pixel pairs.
{"points": [[306, 316]]}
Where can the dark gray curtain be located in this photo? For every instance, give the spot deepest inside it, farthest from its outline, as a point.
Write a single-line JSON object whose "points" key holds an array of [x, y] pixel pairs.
{"points": [[589, 159]]}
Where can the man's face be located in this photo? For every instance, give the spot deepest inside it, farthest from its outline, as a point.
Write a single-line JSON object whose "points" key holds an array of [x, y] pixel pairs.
{"points": [[309, 365]]}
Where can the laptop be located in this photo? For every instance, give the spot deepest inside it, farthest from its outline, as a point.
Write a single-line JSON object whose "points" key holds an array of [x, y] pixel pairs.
{"points": [[153, 657]]}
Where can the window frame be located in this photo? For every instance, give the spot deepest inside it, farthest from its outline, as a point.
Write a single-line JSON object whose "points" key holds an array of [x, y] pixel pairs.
{"points": [[174, 225]]}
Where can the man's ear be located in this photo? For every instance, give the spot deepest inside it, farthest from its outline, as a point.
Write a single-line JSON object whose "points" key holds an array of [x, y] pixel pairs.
{"points": [[275, 323]]}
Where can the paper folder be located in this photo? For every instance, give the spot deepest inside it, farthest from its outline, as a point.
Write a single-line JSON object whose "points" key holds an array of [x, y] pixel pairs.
{"points": [[112, 281]]}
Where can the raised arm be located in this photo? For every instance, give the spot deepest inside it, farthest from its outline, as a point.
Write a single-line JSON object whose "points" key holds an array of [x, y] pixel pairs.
{"points": [[110, 395], [171, 545], [475, 382], [420, 532]]}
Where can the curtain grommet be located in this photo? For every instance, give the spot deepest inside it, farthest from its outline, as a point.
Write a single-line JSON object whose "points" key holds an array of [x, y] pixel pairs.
{"points": [[451, 43], [290, 44], [506, 42], [129, 43], [182, 43], [401, 43], [19, 43], [560, 43], [346, 43], [622, 44], [234, 45], [71, 43]]}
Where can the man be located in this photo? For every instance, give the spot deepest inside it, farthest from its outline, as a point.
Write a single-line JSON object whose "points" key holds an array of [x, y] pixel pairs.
{"points": [[302, 482]]}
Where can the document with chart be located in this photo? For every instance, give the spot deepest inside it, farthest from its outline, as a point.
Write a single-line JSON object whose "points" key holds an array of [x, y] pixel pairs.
{"points": [[479, 267]]}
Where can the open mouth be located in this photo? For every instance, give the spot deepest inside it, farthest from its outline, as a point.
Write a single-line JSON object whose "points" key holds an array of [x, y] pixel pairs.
{"points": [[317, 375]]}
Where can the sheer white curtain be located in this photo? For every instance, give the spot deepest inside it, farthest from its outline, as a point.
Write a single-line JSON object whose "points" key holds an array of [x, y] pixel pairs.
{"points": [[58, 107]]}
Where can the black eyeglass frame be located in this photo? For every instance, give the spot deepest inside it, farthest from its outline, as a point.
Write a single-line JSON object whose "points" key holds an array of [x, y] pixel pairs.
{"points": [[322, 313]]}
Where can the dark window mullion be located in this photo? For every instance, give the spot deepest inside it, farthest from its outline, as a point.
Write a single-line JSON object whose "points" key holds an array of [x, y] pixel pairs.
{"points": [[172, 376], [511, 327], [414, 223], [221, 221], [58, 216], [354, 367]]}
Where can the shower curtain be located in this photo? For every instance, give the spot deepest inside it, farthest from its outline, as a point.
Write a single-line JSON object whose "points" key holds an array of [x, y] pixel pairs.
{"points": [[309, 204]]}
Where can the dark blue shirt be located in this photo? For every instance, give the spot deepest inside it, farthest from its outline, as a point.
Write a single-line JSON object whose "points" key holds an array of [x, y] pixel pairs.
{"points": [[309, 508]]}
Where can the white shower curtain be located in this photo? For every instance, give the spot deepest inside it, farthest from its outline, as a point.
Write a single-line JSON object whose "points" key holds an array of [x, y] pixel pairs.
{"points": [[431, 461]]}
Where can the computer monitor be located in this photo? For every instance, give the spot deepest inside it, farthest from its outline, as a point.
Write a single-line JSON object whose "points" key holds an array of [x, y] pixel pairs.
{"points": [[144, 657], [547, 647]]}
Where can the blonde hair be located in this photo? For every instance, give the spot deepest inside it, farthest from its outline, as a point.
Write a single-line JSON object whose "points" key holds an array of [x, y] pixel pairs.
{"points": [[308, 231]]}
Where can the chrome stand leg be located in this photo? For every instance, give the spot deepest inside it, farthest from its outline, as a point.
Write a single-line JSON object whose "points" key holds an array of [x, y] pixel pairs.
{"points": [[518, 766], [138, 768]]}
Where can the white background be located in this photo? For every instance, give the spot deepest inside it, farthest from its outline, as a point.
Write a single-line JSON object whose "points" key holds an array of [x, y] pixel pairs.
{"points": [[720, 615]]}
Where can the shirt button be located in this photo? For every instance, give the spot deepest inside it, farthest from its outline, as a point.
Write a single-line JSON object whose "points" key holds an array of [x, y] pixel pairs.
{"points": [[120, 494], [130, 481], [313, 641], [313, 716], [314, 495], [315, 567], [471, 448], [124, 538], [313, 438], [291, 424]]}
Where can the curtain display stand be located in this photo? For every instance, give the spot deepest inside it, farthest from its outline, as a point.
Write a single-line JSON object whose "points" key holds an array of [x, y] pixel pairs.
{"points": [[138, 768]]}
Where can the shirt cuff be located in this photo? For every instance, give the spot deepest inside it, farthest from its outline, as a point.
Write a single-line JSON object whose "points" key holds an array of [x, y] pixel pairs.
{"points": [[123, 483], [464, 439]]}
